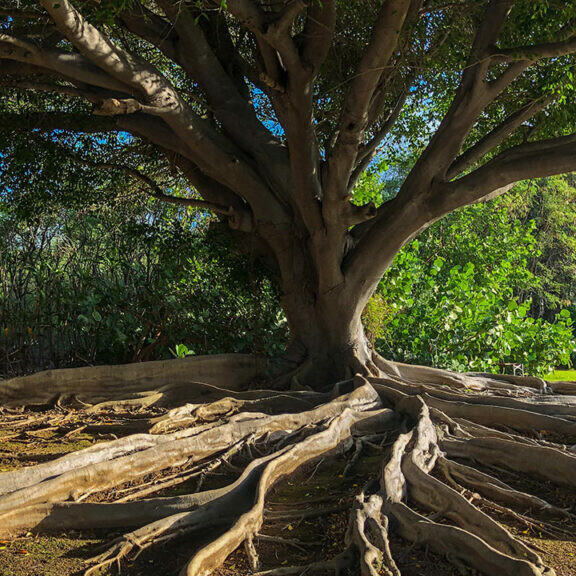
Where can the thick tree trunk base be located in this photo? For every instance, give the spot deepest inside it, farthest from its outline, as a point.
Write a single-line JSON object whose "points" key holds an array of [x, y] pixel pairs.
{"points": [[438, 484]]}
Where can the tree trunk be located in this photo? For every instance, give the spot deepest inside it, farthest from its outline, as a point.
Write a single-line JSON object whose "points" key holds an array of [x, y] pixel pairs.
{"points": [[327, 340]]}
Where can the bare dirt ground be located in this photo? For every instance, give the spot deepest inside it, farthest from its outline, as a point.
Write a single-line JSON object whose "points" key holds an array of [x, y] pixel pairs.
{"points": [[306, 513]]}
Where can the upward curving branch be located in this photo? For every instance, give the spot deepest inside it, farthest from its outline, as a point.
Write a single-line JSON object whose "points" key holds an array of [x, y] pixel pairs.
{"points": [[530, 160], [372, 68], [496, 136]]}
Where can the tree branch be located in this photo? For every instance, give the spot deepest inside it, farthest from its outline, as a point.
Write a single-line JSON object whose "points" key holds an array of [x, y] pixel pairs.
{"points": [[534, 53], [486, 36], [119, 64], [73, 66], [532, 160], [496, 136], [152, 187], [211, 151], [472, 96], [221, 200], [94, 95], [247, 12], [293, 104], [383, 43], [232, 110], [238, 213], [278, 35], [411, 211]]}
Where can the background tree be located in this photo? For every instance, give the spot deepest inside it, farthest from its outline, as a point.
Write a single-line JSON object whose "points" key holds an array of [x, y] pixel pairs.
{"points": [[550, 203], [272, 111]]}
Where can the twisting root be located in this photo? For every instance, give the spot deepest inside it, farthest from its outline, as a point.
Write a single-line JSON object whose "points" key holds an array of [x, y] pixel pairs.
{"points": [[447, 440], [249, 524], [368, 534], [478, 541]]}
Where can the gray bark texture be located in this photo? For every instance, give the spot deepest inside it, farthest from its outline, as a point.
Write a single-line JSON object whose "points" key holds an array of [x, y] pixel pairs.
{"points": [[444, 440]]}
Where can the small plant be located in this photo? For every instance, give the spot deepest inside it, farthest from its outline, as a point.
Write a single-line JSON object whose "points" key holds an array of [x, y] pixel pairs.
{"points": [[181, 351]]}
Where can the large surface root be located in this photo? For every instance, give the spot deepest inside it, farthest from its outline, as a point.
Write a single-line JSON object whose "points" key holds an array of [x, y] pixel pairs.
{"points": [[455, 454]]}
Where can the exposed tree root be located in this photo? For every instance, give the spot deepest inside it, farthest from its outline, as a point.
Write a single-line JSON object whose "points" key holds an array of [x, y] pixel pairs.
{"points": [[496, 490], [145, 384], [443, 439]]}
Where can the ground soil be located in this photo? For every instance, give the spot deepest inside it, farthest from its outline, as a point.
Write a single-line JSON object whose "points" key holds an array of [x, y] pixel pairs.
{"points": [[308, 512]]}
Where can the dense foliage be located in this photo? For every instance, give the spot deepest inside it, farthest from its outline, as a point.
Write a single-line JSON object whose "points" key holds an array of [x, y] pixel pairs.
{"points": [[126, 282], [551, 204], [460, 296]]}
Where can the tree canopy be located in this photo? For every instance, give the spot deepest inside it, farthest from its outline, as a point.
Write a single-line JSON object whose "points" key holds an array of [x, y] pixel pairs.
{"points": [[267, 114]]}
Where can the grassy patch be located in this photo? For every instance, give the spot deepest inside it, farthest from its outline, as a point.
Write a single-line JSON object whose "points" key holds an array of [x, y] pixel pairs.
{"points": [[568, 375]]}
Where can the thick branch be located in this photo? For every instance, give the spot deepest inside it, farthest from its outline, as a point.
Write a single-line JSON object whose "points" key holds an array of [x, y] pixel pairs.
{"points": [[495, 137], [247, 12], [278, 35], [239, 215], [532, 160], [401, 219], [385, 38], [214, 192], [293, 103]]}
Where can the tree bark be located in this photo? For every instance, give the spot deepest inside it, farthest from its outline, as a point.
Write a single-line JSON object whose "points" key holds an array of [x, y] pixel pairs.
{"points": [[327, 340]]}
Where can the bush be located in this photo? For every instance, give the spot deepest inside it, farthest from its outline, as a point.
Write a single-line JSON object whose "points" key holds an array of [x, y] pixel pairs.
{"points": [[451, 299], [126, 283]]}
